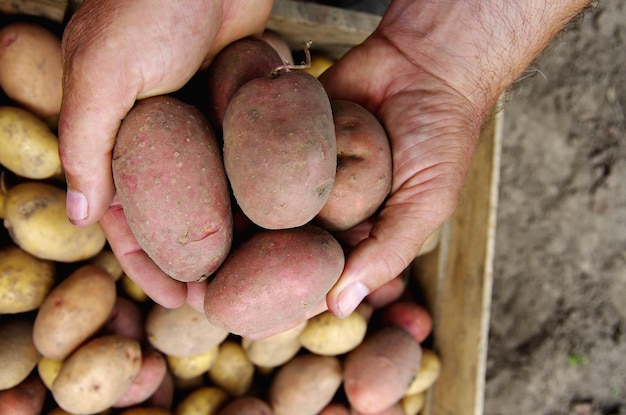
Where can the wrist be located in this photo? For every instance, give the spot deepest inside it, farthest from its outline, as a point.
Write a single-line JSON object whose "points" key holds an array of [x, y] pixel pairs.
{"points": [[478, 48]]}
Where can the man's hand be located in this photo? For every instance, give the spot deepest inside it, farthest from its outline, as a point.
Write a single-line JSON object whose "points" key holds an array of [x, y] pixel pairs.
{"points": [[432, 73], [116, 52]]}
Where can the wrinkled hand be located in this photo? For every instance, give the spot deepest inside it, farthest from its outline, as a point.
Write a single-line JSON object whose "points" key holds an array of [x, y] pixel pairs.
{"points": [[433, 127], [116, 52]]}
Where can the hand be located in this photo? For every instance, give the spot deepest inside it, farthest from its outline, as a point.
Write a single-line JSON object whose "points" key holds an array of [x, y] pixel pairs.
{"points": [[116, 52], [432, 73]]}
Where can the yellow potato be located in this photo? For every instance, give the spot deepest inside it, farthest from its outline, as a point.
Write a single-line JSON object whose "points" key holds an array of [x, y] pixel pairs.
{"points": [[48, 370], [328, 335], [18, 355], [182, 331], [29, 148], [37, 222], [270, 354], [274, 350], [73, 311], [305, 385], [206, 400], [96, 375], [429, 371], [107, 260], [232, 371], [25, 280], [319, 64], [133, 290], [187, 367], [31, 70], [413, 404]]}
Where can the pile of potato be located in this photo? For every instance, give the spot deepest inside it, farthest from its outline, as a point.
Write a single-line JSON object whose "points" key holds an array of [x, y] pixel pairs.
{"points": [[77, 336]]}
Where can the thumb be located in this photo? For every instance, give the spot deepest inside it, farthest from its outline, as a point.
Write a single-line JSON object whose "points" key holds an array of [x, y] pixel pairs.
{"points": [[88, 123], [394, 241]]}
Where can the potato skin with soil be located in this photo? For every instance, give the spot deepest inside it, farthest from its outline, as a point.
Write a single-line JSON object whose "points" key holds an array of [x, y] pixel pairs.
{"points": [[170, 180], [274, 277], [280, 150]]}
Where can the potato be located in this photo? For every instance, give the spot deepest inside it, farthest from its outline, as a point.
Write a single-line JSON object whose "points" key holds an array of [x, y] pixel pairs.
{"points": [[247, 405], [363, 178], [413, 404], [96, 375], [27, 398], [31, 70], [280, 45], [232, 371], [280, 149], [388, 293], [395, 409], [378, 372], [410, 316], [126, 319], [170, 180], [181, 331], [73, 311], [147, 380], [274, 350], [429, 371], [133, 290], [25, 280], [328, 335], [18, 355], [206, 400], [187, 367], [305, 385], [37, 221], [107, 260], [29, 148], [273, 278], [239, 62], [145, 411], [48, 370], [335, 408]]}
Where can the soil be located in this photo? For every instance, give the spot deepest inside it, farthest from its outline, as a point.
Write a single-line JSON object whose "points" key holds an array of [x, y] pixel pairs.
{"points": [[557, 343]]}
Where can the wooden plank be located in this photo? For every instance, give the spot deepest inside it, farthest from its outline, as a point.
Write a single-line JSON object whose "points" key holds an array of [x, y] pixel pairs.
{"points": [[457, 279], [333, 30], [53, 10]]}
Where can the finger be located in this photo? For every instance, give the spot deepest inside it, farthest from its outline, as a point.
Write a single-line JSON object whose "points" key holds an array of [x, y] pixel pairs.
{"points": [[195, 295], [137, 265], [393, 243]]}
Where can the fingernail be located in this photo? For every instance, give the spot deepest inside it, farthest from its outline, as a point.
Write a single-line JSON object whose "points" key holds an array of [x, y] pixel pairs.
{"points": [[76, 205], [351, 297]]}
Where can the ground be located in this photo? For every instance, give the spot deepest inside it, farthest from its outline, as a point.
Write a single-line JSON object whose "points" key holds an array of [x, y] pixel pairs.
{"points": [[557, 342]]}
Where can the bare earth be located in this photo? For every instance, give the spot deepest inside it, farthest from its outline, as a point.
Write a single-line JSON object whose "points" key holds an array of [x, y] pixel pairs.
{"points": [[557, 342]]}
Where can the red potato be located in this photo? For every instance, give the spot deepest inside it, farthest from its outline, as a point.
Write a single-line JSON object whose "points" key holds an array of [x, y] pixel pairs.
{"points": [[239, 62], [387, 293], [126, 319], [378, 372], [248, 405], [147, 381], [171, 183], [26, 398], [410, 316], [273, 278], [363, 178], [335, 409], [280, 149]]}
